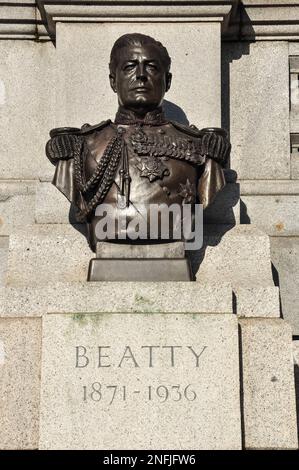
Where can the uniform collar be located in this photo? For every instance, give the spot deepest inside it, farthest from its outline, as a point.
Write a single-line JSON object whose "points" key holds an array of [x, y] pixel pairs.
{"points": [[152, 118]]}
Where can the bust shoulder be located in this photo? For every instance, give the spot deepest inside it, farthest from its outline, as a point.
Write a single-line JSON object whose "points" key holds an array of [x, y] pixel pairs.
{"points": [[88, 129], [66, 141], [189, 130]]}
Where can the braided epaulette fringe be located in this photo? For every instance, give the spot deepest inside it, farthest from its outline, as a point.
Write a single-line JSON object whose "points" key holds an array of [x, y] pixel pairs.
{"points": [[62, 147]]}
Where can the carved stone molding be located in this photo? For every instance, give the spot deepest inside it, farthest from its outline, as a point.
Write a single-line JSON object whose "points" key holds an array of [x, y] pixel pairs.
{"points": [[18, 20], [53, 11], [240, 19], [269, 19]]}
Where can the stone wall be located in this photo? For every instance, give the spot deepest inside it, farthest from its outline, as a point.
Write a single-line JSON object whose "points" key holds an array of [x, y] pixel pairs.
{"points": [[256, 95]]}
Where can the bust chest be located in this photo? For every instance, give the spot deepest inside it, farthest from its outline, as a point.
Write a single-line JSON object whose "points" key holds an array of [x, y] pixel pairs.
{"points": [[156, 159]]}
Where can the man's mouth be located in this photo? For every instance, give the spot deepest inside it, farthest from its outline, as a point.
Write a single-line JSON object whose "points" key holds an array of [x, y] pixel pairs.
{"points": [[140, 88]]}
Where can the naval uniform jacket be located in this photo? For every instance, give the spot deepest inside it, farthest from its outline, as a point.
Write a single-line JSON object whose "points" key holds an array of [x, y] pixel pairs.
{"points": [[164, 161]]}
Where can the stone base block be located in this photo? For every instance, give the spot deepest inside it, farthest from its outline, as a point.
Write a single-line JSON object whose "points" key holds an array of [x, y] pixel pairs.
{"points": [[149, 269], [137, 381], [275, 215], [43, 254], [17, 204], [20, 354], [295, 165], [237, 255], [127, 250], [3, 258], [116, 297], [257, 301], [268, 384], [285, 257]]}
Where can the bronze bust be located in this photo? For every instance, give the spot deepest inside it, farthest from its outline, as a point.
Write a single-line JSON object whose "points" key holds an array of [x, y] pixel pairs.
{"points": [[141, 157]]}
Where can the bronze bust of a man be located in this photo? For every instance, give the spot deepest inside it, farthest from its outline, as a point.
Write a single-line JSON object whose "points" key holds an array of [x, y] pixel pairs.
{"points": [[140, 157]]}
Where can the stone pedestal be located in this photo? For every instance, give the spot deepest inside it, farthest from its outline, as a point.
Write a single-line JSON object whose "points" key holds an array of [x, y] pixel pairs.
{"points": [[140, 381], [159, 344], [126, 262], [132, 369], [244, 375]]}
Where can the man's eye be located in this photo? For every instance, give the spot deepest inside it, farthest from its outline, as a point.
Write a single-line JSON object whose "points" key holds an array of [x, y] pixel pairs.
{"points": [[129, 67], [152, 66]]}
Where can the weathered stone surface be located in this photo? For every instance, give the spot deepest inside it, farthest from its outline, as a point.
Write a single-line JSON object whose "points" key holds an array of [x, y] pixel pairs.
{"points": [[17, 204], [20, 350], [52, 207], [89, 98], [269, 187], [27, 111], [260, 139], [295, 166], [132, 297], [294, 48], [285, 258], [268, 384], [296, 369], [42, 254], [18, 20], [161, 250], [257, 301], [275, 215], [138, 420], [3, 258], [239, 256]]}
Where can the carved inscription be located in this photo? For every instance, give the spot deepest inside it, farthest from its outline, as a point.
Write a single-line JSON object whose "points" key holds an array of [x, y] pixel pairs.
{"points": [[146, 356]]}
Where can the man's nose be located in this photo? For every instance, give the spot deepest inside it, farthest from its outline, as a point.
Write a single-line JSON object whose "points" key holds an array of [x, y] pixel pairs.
{"points": [[141, 72]]}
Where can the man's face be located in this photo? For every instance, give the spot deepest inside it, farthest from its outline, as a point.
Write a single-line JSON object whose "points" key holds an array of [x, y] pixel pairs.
{"points": [[140, 79]]}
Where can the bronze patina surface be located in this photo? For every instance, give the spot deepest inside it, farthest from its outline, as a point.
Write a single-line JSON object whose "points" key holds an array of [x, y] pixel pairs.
{"points": [[140, 157]]}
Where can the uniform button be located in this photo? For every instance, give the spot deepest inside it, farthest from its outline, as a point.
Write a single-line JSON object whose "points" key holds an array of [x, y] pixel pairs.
{"points": [[166, 190]]}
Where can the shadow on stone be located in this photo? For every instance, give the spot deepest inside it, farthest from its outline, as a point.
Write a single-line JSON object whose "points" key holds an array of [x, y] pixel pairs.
{"points": [[81, 228], [244, 217], [296, 372], [175, 113], [218, 219], [230, 52], [221, 211], [241, 386], [212, 237], [275, 277]]}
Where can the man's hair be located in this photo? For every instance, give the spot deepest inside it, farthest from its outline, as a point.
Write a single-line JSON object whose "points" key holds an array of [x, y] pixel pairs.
{"points": [[139, 40]]}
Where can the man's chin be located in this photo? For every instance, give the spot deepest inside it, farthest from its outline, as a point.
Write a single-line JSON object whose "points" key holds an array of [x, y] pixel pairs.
{"points": [[141, 105]]}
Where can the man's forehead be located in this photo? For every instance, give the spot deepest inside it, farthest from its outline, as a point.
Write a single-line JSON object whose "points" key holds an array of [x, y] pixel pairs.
{"points": [[146, 52]]}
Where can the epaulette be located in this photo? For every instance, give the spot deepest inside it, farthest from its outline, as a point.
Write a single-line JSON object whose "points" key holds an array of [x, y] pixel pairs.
{"points": [[64, 131], [86, 128], [190, 130]]}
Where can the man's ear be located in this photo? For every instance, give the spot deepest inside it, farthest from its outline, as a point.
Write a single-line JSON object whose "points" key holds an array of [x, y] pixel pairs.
{"points": [[112, 82], [168, 80]]}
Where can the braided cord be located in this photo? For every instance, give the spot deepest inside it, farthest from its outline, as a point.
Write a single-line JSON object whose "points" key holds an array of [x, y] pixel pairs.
{"points": [[104, 174], [79, 158]]}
